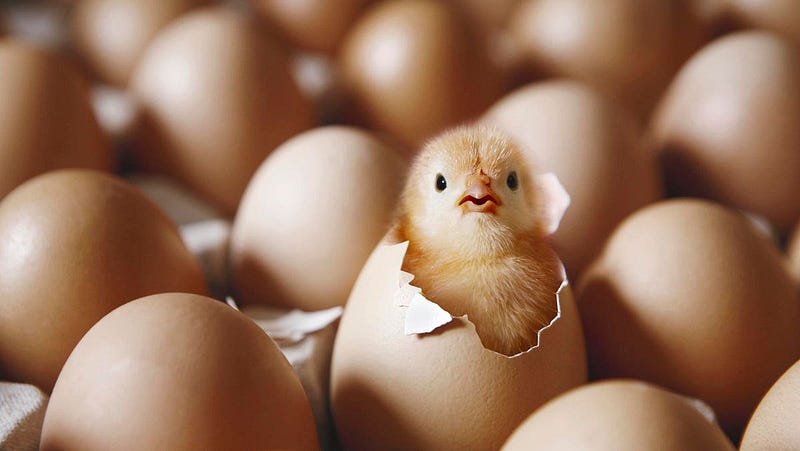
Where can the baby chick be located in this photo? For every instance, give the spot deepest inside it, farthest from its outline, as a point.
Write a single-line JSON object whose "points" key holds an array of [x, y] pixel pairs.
{"points": [[471, 213]]}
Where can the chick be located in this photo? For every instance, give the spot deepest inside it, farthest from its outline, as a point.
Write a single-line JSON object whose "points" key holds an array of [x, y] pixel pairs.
{"points": [[471, 213]]}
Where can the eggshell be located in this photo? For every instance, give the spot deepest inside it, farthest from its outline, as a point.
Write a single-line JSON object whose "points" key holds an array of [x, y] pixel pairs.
{"points": [[46, 117], [111, 35], [629, 49], [774, 423], [311, 216], [594, 148], [727, 127], [793, 251], [414, 67], [780, 16], [180, 372], [439, 390], [217, 97], [316, 25], [619, 415], [74, 245], [688, 295], [487, 15]]}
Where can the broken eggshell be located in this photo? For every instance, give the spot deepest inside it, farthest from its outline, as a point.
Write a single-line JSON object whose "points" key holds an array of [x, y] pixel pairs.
{"points": [[442, 389]]}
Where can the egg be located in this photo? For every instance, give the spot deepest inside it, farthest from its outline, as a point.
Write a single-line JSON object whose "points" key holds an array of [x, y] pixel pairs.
{"points": [[216, 97], [774, 423], [74, 245], [629, 49], [180, 372], [46, 117], [111, 35], [793, 251], [414, 68], [439, 389], [594, 147], [780, 16], [687, 294], [315, 25], [726, 129], [311, 216], [488, 15], [619, 415]]}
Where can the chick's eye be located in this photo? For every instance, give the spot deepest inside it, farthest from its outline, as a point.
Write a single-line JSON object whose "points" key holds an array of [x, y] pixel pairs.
{"points": [[512, 181], [441, 183]]}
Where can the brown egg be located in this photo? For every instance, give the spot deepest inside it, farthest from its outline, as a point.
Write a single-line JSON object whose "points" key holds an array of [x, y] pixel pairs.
{"points": [[487, 15], [217, 97], [727, 127], [619, 415], [311, 216], [439, 390], [111, 35], [595, 150], [46, 117], [415, 68], [180, 372], [793, 251], [74, 245], [774, 423], [780, 16], [688, 295], [316, 25], [629, 49]]}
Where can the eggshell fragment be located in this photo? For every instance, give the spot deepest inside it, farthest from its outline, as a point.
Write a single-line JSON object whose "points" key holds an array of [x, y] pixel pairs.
{"points": [[618, 415], [774, 423], [628, 49], [316, 25], [414, 67], [180, 372], [111, 35], [46, 117], [594, 148], [74, 245], [688, 295], [311, 216], [440, 390], [216, 98], [727, 127]]}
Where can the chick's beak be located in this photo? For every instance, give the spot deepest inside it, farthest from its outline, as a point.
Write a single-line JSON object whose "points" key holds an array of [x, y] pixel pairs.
{"points": [[479, 197]]}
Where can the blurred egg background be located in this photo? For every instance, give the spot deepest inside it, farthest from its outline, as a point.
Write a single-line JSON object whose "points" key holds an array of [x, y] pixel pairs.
{"points": [[253, 151]]}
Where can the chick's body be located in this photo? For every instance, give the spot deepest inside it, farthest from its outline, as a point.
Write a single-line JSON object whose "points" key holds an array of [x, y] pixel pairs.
{"points": [[476, 244]]}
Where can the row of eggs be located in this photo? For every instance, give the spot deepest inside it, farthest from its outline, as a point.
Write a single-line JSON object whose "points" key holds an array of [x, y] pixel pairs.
{"points": [[569, 128]]}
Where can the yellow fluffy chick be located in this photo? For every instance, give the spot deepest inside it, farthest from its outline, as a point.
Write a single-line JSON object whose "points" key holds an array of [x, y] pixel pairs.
{"points": [[471, 213]]}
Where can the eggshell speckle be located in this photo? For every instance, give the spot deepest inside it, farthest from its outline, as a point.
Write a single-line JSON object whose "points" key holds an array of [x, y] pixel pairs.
{"points": [[595, 150], [688, 295], [311, 216], [618, 415], [74, 245], [111, 35], [727, 128], [180, 372], [217, 97], [774, 423], [46, 117], [415, 67], [440, 390]]}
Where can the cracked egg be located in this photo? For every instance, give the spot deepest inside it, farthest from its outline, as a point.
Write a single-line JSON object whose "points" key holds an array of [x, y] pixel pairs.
{"points": [[408, 375]]}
